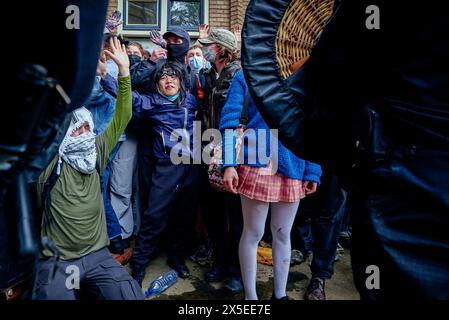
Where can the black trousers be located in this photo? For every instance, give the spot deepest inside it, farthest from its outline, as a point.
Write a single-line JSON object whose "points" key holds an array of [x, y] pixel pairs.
{"points": [[172, 204], [145, 163], [318, 224], [224, 223], [401, 226]]}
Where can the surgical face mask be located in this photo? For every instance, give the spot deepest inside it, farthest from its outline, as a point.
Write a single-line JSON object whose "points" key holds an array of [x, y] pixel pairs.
{"points": [[196, 63], [171, 98], [209, 55]]}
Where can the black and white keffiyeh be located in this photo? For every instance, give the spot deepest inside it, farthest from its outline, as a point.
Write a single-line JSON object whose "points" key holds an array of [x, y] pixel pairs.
{"points": [[79, 152]]}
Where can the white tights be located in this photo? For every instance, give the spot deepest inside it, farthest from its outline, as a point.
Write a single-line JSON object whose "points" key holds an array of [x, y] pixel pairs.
{"points": [[254, 216]]}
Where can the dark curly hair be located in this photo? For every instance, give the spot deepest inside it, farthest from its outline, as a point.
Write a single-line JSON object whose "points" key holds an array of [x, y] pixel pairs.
{"points": [[171, 66]]}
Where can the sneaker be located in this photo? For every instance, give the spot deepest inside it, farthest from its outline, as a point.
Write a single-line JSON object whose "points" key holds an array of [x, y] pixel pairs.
{"points": [[337, 257], [315, 290], [216, 274], [234, 285], [340, 249], [339, 252], [296, 257], [203, 254]]}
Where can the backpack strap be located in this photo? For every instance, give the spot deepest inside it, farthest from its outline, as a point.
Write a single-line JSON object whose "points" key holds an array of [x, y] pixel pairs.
{"points": [[48, 186], [51, 181]]}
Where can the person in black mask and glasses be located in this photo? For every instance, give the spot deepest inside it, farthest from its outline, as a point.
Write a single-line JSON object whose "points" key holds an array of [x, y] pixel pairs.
{"points": [[177, 42], [177, 45]]}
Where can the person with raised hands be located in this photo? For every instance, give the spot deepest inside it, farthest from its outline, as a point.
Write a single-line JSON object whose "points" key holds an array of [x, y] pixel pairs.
{"points": [[79, 264]]}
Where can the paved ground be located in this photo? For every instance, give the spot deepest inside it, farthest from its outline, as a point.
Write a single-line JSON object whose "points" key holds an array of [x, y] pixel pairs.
{"points": [[341, 287]]}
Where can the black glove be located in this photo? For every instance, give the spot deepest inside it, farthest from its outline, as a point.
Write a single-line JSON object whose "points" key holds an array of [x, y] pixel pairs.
{"points": [[116, 246]]}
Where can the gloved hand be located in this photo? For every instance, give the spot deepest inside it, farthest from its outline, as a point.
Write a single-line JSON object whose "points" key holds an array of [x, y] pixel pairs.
{"points": [[113, 21], [157, 39], [116, 246]]}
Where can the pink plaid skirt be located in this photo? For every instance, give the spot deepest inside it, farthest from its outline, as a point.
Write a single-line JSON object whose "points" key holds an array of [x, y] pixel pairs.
{"points": [[260, 184]]}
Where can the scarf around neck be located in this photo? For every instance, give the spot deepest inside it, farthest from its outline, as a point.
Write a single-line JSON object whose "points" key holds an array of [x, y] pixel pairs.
{"points": [[79, 152]]}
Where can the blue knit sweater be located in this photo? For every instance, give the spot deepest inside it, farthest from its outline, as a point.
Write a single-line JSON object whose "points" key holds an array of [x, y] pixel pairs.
{"points": [[255, 155]]}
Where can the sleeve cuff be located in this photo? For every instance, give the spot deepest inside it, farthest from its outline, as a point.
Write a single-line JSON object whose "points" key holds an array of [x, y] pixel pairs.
{"points": [[312, 177]]}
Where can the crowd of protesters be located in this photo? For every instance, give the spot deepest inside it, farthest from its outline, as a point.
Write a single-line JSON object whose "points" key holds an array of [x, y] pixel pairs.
{"points": [[114, 191]]}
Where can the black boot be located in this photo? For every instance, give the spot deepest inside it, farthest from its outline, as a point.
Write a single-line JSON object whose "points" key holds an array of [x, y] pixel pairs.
{"points": [[273, 298], [180, 267], [138, 275]]}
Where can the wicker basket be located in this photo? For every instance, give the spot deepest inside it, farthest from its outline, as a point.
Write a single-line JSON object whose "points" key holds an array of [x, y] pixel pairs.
{"points": [[300, 27]]}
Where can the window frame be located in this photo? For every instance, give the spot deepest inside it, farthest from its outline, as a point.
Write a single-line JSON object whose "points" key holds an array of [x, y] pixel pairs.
{"points": [[141, 27], [162, 26]]}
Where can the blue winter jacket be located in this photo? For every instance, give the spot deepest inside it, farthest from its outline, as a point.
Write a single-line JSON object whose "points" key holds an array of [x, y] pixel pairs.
{"points": [[171, 123], [102, 106], [288, 164]]}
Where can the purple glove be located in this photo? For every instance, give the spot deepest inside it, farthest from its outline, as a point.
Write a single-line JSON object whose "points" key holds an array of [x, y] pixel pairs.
{"points": [[113, 21], [157, 39]]}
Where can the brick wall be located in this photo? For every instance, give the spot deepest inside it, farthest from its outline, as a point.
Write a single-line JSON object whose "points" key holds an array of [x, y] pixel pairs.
{"points": [[113, 5], [237, 9], [220, 13], [227, 13]]}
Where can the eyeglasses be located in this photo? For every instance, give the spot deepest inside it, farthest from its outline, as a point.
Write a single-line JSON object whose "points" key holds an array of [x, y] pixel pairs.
{"points": [[166, 76]]}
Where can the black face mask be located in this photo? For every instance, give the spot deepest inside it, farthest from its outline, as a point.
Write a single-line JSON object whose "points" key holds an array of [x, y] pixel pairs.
{"points": [[177, 52], [133, 59]]}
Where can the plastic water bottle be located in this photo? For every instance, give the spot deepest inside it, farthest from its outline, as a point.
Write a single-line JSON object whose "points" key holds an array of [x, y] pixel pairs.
{"points": [[162, 283]]}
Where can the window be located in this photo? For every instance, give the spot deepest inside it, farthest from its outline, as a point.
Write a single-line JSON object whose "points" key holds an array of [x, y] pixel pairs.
{"points": [[141, 14], [185, 13]]}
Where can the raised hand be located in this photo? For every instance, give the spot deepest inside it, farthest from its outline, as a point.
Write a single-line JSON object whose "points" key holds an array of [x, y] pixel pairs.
{"points": [[157, 39], [238, 35], [113, 21], [237, 32], [118, 53], [204, 31], [157, 54]]}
